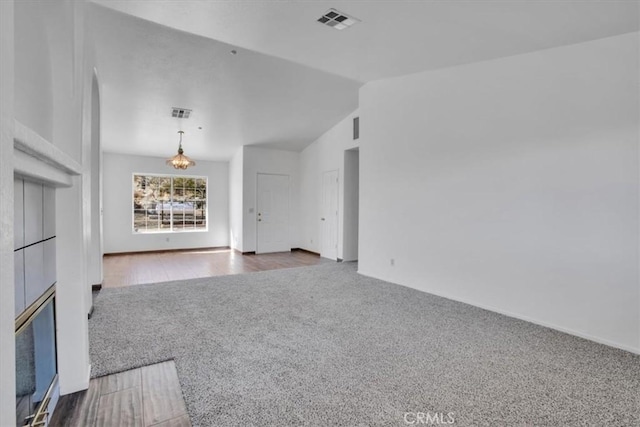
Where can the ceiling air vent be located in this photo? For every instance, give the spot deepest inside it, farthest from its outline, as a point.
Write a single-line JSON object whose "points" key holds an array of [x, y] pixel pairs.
{"points": [[180, 113], [337, 19]]}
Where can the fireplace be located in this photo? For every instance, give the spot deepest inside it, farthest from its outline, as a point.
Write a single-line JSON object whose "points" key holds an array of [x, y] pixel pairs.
{"points": [[36, 365], [35, 297]]}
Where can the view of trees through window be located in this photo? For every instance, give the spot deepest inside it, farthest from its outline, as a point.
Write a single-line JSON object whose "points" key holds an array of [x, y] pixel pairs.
{"points": [[169, 203]]}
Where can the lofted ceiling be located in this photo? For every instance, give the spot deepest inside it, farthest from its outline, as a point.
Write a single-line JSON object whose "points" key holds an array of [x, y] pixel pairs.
{"points": [[293, 78], [249, 98]]}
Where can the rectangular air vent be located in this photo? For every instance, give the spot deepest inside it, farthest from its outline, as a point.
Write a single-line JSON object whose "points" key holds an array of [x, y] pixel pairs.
{"points": [[338, 20], [356, 127], [180, 113]]}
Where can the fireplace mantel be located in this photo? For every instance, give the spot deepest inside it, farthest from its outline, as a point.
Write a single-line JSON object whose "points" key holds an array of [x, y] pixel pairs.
{"points": [[37, 158]]}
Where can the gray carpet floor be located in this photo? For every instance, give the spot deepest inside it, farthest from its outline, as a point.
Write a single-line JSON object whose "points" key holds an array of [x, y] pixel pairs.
{"points": [[324, 346]]}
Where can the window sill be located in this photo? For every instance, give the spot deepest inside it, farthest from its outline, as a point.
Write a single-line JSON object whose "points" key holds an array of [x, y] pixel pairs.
{"points": [[137, 233]]}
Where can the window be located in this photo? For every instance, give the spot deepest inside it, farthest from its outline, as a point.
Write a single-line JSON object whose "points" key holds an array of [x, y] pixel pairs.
{"points": [[169, 203]]}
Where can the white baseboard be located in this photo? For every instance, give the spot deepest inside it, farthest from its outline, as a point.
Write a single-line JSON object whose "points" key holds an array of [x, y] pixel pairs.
{"points": [[521, 317]]}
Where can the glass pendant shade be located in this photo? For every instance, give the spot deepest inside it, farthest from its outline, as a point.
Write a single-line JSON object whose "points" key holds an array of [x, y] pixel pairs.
{"points": [[180, 161]]}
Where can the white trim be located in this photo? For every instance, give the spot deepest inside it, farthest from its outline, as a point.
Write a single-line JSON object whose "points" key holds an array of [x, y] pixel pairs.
{"points": [[30, 167], [30, 142]]}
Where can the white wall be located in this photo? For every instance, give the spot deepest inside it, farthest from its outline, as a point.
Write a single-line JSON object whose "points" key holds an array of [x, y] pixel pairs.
{"points": [[325, 154], [7, 325], [95, 274], [351, 205], [310, 198], [511, 184], [92, 173], [264, 160], [33, 74], [235, 199], [65, 30], [48, 54], [118, 202]]}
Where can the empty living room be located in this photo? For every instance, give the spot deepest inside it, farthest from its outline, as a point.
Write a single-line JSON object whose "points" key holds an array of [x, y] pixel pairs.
{"points": [[315, 213]]}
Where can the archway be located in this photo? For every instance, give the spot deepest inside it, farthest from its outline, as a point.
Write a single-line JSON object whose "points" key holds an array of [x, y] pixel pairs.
{"points": [[95, 244]]}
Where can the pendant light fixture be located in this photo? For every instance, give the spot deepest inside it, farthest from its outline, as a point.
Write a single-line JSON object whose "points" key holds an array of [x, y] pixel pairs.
{"points": [[180, 161]]}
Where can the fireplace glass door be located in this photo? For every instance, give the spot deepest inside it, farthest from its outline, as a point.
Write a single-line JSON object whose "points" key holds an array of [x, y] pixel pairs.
{"points": [[36, 364]]}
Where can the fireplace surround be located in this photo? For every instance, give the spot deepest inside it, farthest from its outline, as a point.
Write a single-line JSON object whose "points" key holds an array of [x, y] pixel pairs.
{"points": [[36, 362], [35, 297]]}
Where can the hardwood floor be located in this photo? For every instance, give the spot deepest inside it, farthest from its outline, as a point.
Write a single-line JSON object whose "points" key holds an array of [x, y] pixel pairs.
{"points": [[143, 397], [153, 267]]}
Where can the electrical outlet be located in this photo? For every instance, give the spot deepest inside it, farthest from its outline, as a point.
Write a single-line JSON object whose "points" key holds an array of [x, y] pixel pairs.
{"points": [[392, 262]]}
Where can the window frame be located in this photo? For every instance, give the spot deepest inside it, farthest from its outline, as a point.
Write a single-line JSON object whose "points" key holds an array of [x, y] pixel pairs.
{"points": [[171, 230]]}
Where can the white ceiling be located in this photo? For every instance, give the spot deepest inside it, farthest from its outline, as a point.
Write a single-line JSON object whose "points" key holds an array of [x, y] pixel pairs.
{"points": [[294, 78], [244, 99]]}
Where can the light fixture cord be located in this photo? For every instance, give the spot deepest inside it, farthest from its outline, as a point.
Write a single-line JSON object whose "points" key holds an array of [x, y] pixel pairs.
{"points": [[180, 151]]}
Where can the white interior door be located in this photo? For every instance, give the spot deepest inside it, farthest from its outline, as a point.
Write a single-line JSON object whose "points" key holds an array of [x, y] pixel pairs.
{"points": [[329, 219], [272, 227]]}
